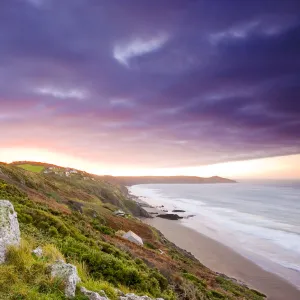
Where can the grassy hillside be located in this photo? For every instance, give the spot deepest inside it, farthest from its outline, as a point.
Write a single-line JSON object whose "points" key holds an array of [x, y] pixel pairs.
{"points": [[71, 215], [32, 168]]}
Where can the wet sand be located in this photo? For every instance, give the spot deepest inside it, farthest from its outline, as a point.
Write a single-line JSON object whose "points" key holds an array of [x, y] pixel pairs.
{"points": [[223, 259]]}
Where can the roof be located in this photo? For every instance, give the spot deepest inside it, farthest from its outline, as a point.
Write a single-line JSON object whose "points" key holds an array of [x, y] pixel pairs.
{"points": [[119, 212]]}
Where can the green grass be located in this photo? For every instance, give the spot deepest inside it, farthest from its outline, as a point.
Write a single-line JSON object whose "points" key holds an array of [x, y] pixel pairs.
{"points": [[32, 168], [25, 276]]}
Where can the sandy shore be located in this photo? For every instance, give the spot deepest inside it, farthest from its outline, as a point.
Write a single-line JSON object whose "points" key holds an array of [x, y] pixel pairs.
{"points": [[222, 259]]}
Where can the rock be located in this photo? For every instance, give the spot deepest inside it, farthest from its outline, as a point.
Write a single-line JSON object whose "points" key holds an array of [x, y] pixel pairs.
{"points": [[131, 236], [135, 297], [103, 294], [38, 251], [144, 204], [9, 228], [189, 216], [178, 210], [92, 295], [119, 292], [68, 273], [170, 216], [144, 213], [76, 206]]}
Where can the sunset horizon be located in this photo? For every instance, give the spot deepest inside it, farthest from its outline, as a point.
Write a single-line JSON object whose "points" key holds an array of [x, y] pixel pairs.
{"points": [[273, 168]]}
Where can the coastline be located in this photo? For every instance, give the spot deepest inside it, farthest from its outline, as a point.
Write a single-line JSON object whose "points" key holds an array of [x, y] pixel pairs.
{"points": [[223, 259]]}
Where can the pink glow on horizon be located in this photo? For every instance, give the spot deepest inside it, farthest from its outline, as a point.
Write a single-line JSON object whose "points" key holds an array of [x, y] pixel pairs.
{"points": [[280, 167]]}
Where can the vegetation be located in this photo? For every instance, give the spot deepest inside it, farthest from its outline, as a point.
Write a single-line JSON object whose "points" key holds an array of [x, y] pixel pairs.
{"points": [[32, 168], [72, 218]]}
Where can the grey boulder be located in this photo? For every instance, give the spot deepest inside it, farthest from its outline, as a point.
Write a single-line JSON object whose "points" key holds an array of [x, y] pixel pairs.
{"points": [[9, 228], [68, 273], [92, 295], [135, 297]]}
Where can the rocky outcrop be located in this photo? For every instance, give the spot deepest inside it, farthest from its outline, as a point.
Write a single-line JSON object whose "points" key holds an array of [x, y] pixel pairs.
{"points": [[135, 297], [92, 295], [144, 213], [189, 216], [170, 216], [9, 228], [38, 251], [178, 210], [68, 273], [136, 209]]}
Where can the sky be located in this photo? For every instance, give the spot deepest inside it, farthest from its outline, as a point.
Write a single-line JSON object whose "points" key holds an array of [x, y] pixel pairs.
{"points": [[138, 87]]}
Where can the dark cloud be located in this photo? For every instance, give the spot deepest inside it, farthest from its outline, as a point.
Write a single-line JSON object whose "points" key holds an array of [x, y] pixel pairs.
{"points": [[168, 82]]}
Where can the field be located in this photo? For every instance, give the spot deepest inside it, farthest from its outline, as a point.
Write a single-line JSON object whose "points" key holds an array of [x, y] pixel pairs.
{"points": [[32, 168]]}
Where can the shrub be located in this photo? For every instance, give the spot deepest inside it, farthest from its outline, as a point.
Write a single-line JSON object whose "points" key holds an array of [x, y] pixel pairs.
{"points": [[149, 245], [53, 231], [120, 233], [116, 270], [104, 229], [25, 218], [216, 295], [194, 279]]}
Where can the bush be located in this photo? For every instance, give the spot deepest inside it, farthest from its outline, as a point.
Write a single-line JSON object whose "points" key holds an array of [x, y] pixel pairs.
{"points": [[194, 279], [53, 231], [150, 246], [120, 233], [116, 270], [216, 295], [104, 229], [25, 218]]}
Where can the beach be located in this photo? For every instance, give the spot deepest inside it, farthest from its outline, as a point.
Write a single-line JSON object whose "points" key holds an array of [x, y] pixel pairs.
{"points": [[222, 259]]}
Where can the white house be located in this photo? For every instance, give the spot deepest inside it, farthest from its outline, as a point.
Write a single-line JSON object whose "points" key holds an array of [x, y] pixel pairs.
{"points": [[132, 237], [119, 212]]}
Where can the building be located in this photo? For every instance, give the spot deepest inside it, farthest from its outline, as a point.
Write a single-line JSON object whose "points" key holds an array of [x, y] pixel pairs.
{"points": [[120, 213], [132, 237]]}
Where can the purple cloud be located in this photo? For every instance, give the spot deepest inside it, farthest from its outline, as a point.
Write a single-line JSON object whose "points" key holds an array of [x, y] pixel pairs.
{"points": [[151, 83]]}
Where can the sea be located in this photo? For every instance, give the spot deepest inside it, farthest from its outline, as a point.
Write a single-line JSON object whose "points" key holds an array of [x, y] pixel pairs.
{"points": [[259, 220]]}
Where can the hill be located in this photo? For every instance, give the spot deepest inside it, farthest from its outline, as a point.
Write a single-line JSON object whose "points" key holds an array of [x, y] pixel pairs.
{"points": [[132, 180], [123, 180], [71, 215]]}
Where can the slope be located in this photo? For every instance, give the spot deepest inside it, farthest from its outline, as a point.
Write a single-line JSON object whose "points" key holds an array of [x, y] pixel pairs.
{"points": [[74, 214]]}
